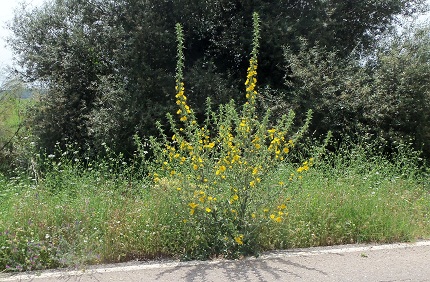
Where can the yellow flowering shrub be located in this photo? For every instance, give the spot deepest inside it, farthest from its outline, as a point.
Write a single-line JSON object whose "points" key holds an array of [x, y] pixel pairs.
{"points": [[220, 165]]}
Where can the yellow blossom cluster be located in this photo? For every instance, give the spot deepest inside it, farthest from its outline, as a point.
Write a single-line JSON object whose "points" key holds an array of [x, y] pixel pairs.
{"points": [[279, 214], [305, 166], [251, 81], [279, 144], [181, 100], [201, 201], [239, 239]]}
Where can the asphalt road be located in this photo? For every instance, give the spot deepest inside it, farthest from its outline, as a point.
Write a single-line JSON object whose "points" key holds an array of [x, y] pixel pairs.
{"points": [[385, 263]]}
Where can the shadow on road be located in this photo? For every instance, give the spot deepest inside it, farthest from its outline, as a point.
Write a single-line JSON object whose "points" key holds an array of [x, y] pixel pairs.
{"points": [[241, 270]]}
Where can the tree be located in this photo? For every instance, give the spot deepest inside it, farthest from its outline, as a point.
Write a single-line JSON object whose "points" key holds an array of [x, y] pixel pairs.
{"points": [[387, 96], [400, 98], [334, 87], [109, 65]]}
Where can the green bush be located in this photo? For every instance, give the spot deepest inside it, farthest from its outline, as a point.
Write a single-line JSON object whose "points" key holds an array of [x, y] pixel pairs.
{"points": [[110, 76], [218, 168], [385, 97]]}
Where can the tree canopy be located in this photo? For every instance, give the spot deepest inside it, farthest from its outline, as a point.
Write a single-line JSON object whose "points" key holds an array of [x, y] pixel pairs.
{"points": [[109, 65]]}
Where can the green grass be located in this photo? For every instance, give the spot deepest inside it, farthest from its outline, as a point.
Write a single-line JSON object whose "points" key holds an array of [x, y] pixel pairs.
{"points": [[12, 112], [344, 207], [79, 216], [228, 196]]}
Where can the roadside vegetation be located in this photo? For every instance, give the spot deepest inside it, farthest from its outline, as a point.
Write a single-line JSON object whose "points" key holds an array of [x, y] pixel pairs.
{"points": [[108, 213], [312, 161]]}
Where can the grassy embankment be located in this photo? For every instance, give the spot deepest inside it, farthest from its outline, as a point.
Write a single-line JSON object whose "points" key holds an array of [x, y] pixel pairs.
{"points": [[229, 193], [75, 216]]}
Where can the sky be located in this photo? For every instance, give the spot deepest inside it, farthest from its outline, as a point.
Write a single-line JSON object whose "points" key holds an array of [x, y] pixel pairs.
{"points": [[7, 8]]}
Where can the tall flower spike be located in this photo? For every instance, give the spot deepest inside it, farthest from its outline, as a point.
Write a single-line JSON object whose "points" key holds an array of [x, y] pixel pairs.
{"points": [[180, 51], [181, 100], [251, 78]]}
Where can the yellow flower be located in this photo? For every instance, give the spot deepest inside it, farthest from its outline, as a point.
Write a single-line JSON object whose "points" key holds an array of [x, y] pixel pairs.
{"points": [[208, 210], [252, 183], [184, 118], [195, 167], [235, 158], [291, 143], [278, 219], [210, 145], [193, 205], [220, 170], [187, 108], [305, 167], [272, 216], [239, 239]]}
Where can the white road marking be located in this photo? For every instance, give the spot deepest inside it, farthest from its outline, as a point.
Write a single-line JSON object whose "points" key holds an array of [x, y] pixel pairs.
{"points": [[172, 264]]}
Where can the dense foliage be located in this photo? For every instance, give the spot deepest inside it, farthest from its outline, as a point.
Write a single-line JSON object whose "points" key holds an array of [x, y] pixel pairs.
{"points": [[109, 65], [385, 96]]}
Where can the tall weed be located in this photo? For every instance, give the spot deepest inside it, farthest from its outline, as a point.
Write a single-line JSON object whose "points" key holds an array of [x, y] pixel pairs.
{"points": [[217, 169]]}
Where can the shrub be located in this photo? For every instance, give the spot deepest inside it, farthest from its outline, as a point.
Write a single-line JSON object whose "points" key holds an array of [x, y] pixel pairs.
{"points": [[218, 168]]}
